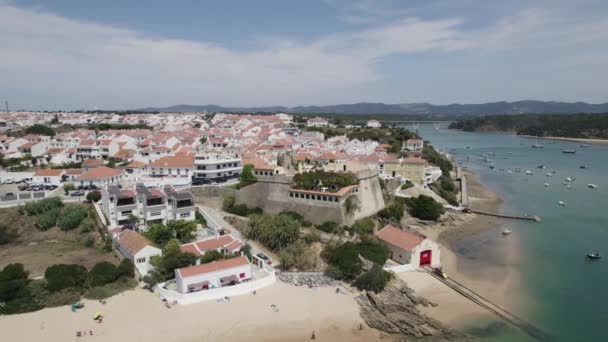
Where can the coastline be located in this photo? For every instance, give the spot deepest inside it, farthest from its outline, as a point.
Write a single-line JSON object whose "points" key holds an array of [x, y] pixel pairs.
{"points": [[585, 140], [471, 256]]}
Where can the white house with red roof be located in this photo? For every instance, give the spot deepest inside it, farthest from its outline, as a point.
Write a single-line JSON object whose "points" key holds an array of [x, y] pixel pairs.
{"points": [[136, 248], [216, 274], [100, 177], [414, 144], [225, 244], [410, 248], [48, 176], [317, 122]]}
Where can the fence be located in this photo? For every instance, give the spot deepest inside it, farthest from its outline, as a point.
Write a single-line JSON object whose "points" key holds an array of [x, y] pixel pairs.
{"points": [[24, 196], [218, 293]]}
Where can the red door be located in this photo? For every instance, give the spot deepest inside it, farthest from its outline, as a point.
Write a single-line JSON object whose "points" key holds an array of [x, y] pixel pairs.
{"points": [[425, 257]]}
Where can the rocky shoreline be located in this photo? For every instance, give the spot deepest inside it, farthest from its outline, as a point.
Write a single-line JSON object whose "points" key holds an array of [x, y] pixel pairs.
{"points": [[394, 311]]}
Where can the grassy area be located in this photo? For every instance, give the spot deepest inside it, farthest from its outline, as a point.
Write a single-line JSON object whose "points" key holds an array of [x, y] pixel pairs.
{"points": [[109, 290]]}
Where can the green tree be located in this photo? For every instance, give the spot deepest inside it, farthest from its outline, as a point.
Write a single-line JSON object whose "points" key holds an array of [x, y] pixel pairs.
{"points": [[126, 269], [185, 231], [425, 208], [373, 280], [40, 129], [102, 273], [159, 234], [275, 232], [210, 256], [247, 177], [373, 250], [345, 260], [297, 256], [93, 196], [63, 276]]}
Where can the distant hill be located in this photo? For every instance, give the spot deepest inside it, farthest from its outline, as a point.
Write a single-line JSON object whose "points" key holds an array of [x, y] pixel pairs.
{"points": [[519, 107]]}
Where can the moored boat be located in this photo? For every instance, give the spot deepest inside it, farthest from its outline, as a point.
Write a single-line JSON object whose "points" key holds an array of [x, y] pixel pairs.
{"points": [[562, 203], [593, 256], [529, 173], [507, 231], [592, 186], [569, 151]]}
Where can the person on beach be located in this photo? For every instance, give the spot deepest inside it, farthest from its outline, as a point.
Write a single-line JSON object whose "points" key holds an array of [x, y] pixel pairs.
{"points": [[313, 336]]}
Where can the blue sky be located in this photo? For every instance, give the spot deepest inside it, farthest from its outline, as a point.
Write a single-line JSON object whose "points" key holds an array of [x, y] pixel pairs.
{"points": [[69, 54]]}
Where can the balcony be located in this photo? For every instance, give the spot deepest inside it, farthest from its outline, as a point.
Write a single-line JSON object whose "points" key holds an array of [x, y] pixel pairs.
{"points": [[184, 204], [125, 201], [154, 201]]}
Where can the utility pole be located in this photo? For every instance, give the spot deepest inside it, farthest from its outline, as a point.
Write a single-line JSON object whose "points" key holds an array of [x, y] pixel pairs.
{"points": [[6, 102]]}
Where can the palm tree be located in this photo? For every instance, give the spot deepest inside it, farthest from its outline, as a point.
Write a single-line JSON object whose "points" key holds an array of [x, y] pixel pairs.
{"points": [[351, 205]]}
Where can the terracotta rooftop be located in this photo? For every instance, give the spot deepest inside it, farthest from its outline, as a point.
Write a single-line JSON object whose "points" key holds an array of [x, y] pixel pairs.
{"points": [[212, 266], [175, 161], [399, 237], [92, 162], [100, 173], [48, 172], [131, 241]]}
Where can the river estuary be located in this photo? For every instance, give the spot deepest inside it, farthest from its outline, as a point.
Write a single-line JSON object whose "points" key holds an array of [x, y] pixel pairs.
{"points": [[569, 300]]}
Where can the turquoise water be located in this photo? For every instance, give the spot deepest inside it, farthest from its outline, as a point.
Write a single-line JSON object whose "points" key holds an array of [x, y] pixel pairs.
{"points": [[570, 296]]}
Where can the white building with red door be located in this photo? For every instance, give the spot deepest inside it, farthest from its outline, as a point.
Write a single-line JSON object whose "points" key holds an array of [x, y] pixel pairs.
{"points": [[410, 248], [216, 274]]}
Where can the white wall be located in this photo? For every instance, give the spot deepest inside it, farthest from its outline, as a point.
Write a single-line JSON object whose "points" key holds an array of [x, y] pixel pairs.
{"points": [[435, 253], [144, 267], [213, 294], [213, 277]]}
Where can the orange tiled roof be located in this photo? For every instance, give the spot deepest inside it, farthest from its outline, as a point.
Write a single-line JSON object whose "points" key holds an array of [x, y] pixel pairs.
{"points": [[400, 238], [213, 266]]}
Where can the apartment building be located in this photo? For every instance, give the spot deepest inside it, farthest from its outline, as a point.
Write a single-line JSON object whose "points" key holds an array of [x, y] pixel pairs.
{"points": [[210, 167], [149, 205]]}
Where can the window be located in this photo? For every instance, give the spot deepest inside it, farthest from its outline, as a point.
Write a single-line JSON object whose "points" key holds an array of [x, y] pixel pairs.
{"points": [[156, 213], [141, 260], [182, 215]]}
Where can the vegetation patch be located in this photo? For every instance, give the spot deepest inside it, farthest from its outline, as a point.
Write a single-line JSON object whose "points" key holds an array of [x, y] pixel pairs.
{"points": [[318, 179], [273, 231], [425, 208], [432, 156], [229, 205]]}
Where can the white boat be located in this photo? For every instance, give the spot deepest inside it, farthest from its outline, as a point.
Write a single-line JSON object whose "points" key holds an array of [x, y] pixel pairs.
{"points": [[592, 186], [546, 185], [507, 231], [549, 174], [561, 203], [568, 186], [569, 179], [529, 173]]}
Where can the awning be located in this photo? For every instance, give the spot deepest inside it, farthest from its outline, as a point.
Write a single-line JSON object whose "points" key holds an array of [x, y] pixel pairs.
{"points": [[201, 284], [229, 279]]}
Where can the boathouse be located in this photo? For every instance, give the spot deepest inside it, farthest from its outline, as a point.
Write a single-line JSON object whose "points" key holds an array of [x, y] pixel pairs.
{"points": [[410, 248]]}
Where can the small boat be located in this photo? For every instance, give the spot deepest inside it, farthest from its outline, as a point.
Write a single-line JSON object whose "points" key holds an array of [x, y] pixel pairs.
{"points": [[568, 186], [569, 179], [561, 203], [569, 151], [510, 172], [583, 167], [541, 166], [546, 185], [517, 170], [537, 146], [583, 145], [492, 166], [549, 174], [529, 173], [592, 186], [593, 256], [507, 231]]}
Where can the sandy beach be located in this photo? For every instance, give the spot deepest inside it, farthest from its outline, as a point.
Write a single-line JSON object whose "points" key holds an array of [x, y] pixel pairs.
{"points": [[583, 140], [138, 315]]}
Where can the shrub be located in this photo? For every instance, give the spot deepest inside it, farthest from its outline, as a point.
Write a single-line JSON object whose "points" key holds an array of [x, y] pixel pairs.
{"points": [[328, 227], [94, 196], [247, 251], [111, 289], [312, 236], [43, 205], [89, 242], [374, 250], [102, 273], [345, 258], [275, 232], [297, 256], [293, 215], [47, 220], [364, 226], [126, 269], [373, 280], [87, 225], [425, 208], [210, 256], [63, 276], [332, 180], [7, 234], [407, 185], [394, 211], [198, 217], [71, 217], [243, 210]]}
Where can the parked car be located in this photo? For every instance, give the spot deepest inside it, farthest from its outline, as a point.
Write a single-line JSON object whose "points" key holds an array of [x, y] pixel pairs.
{"points": [[265, 258], [23, 187], [50, 187], [77, 193], [9, 194], [8, 181]]}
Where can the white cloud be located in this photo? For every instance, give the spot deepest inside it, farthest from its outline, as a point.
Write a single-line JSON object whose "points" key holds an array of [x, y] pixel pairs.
{"points": [[79, 63]]}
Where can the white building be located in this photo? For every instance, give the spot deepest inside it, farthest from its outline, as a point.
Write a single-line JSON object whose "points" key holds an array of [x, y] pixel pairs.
{"points": [[432, 174], [317, 122], [137, 249], [410, 248], [210, 167], [174, 166], [414, 144], [100, 177], [48, 176], [212, 275], [373, 123], [150, 205]]}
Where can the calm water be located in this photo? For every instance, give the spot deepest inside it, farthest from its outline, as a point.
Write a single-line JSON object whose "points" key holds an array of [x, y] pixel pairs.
{"points": [[571, 297]]}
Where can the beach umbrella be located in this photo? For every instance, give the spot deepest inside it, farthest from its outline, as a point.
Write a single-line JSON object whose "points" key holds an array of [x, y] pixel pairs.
{"points": [[97, 315]]}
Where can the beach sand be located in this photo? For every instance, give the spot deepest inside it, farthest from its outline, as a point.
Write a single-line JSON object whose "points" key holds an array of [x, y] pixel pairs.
{"points": [[138, 315]]}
